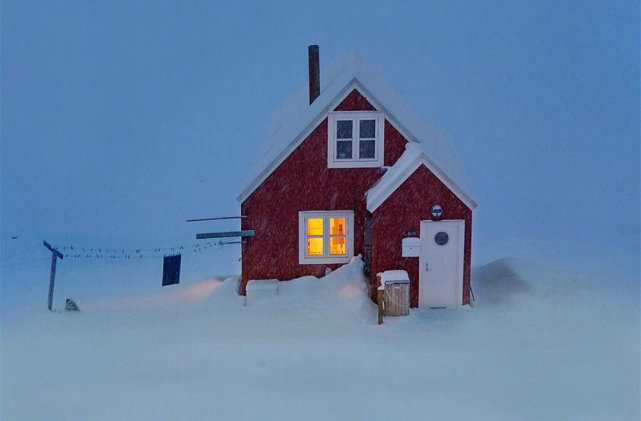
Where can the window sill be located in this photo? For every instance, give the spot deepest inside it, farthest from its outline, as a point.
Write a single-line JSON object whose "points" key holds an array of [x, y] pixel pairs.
{"points": [[323, 260], [355, 164]]}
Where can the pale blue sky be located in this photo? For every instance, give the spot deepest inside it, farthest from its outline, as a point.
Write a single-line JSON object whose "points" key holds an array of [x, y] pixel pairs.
{"points": [[122, 119]]}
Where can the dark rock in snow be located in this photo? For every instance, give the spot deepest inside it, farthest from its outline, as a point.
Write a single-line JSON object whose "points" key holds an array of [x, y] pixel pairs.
{"points": [[70, 305]]}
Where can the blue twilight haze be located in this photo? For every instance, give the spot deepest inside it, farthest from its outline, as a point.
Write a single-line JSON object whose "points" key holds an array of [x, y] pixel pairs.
{"points": [[120, 120]]}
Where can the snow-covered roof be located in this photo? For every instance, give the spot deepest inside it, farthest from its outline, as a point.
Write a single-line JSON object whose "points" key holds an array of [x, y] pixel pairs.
{"points": [[294, 122], [413, 157]]}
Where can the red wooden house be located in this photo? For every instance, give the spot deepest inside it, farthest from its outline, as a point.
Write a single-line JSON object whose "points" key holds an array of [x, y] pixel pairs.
{"points": [[357, 170]]}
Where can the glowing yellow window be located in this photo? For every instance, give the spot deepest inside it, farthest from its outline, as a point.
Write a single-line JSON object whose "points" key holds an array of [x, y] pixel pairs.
{"points": [[325, 237], [315, 246], [315, 226], [337, 245], [336, 226], [315, 237], [337, 236]]}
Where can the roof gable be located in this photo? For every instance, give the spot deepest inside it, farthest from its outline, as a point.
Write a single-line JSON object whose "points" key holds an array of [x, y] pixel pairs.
{"points": [[410, 161], [353, 71]]}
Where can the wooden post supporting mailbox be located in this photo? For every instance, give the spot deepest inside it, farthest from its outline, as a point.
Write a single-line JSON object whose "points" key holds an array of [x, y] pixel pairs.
{"points": [[379, 299], [52, 277]]}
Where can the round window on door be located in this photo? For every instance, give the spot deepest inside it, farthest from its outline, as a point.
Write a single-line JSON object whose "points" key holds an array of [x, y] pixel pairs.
{"points": [[441, 238]]}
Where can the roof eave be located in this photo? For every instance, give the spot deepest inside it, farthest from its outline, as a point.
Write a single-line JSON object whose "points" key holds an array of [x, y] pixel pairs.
{"points": [[376, 200], [322, 115]]}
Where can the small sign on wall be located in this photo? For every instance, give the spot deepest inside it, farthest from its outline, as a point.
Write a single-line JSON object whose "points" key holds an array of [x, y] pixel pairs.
{"points": [[411, 247], [171, 270]]}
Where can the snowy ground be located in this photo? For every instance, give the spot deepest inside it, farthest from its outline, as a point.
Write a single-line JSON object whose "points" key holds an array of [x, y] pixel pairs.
{"points": [[554, 335]]}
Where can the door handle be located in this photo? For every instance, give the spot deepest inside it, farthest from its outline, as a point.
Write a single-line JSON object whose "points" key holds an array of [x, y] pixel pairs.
{"points": [[427, 267]]}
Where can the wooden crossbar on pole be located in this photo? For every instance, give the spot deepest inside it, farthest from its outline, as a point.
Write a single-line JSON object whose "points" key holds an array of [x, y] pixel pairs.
{"points": [[216, 219], [244, 233]]}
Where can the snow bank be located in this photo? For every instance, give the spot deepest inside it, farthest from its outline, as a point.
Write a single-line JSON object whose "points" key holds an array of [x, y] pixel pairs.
{"points": [[340, 296], [541, 343], [498, 280], [167, 296]]}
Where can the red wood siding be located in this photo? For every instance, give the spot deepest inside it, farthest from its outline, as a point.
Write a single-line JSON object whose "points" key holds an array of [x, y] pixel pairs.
{"points": [[402, 212], [355, 102], [303, 182], [394, 144]]}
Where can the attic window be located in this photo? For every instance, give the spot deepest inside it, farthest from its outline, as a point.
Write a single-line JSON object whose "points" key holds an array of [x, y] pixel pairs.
{"points": [[355, 139], [325, 236]]}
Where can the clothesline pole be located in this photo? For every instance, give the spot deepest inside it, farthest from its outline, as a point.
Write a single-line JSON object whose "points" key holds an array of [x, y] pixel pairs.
{"points": [[55, 254]]}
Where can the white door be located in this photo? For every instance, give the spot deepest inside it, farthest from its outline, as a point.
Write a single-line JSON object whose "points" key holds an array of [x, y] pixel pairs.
{"points": [[441, 263]]}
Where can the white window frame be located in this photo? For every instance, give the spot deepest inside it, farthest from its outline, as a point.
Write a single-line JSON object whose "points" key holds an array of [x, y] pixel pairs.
{"points": [[355, 117], [304, 258]]}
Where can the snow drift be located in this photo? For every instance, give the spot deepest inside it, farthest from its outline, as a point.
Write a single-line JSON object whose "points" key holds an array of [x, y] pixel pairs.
{"points": [[534, 347]]}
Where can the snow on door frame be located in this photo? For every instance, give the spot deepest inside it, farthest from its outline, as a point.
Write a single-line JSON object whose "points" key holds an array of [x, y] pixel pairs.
{"points": [[455, 228]]}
